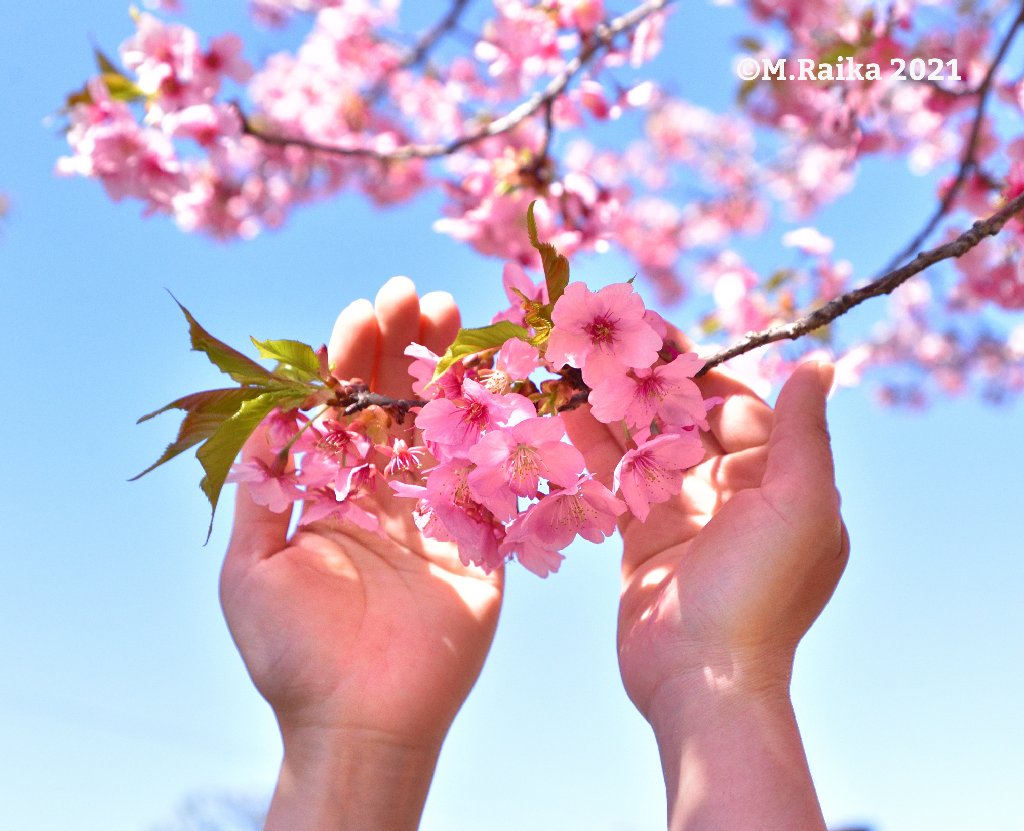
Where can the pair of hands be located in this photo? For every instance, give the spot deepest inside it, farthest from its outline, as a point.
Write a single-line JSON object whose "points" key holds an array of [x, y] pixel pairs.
{"points": [[366, 647]]}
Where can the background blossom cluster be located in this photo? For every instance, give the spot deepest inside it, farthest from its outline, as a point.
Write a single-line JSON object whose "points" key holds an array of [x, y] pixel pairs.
{"points": [[679, 196]]}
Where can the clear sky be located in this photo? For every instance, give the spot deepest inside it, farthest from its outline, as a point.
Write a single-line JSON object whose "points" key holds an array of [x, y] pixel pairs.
{"points": [[120, 692]]}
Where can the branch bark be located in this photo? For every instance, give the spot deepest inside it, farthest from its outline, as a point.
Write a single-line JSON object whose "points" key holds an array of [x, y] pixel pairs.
{"points": [[420, 52], [601, 40], [967, 161], [882, 285]]}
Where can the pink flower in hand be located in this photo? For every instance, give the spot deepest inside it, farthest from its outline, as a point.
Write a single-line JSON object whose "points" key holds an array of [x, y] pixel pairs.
{"points": [[446, 511], [653, 472], [275, 490], [324, 504], [530, 551], [401, 457], [601, 332], [512, 461], [667, 391], [589, 509], [456, 425], [334, 440]]}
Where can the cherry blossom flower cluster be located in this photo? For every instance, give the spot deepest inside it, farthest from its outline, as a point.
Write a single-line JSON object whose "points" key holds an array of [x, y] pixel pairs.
{"points": [[523, 101], [495, 472]]}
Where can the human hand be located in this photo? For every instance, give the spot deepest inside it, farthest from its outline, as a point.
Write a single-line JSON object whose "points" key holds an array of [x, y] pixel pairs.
{"points": [[718, 587], [364, 645]]}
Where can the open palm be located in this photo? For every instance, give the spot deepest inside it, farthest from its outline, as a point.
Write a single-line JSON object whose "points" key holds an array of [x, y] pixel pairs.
{"points": [[726, 577], [349, 630]]}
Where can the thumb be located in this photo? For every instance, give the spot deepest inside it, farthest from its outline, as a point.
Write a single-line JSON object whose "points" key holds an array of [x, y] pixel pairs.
{"points": [[258, 531], [799, 475]]}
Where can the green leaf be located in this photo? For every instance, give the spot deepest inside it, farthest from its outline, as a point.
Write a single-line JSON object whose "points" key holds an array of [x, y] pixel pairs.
{"points": [[220, 450], [104, 63], [297, 359], [470, 341], [122, 88], [195, 427], [226, 401], [745, 91], [556, 266], [227, 360], [838, 52], [778, 278], [205, 412]]}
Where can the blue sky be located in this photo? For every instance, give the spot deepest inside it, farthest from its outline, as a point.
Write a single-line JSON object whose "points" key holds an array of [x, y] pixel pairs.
{"points": [[121, 692]]}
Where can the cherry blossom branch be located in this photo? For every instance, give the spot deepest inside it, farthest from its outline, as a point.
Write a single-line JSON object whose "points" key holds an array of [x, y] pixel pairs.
{"points": [[601, 39], [418, 54], [882, 285], [424, 45], [968, 162], [359, 397]]}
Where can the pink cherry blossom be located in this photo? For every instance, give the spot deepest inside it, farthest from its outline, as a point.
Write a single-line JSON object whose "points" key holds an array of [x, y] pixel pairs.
{"points": [[529, 550], [665, 391], [601, 332], [333, 438], [511, 462], [588, 509], [277, 491], [652, 472], [324, 504], [448, 503], [401, 457], [455, 425]]}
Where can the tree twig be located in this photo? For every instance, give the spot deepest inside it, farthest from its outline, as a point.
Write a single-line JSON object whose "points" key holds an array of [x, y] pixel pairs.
{"points": [[360, 398], [419, 52], [967, 160], [601, 39], [882, 285]]}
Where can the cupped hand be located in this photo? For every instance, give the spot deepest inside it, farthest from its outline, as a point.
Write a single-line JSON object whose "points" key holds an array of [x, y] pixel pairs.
{"points": [[347, 633], [721, 582]]}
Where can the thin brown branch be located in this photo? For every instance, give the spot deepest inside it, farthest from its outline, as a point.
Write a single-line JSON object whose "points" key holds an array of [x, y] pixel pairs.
{"points": [[602, 39], [420, 52], [968, 162], [360, 398], [882, 285]]}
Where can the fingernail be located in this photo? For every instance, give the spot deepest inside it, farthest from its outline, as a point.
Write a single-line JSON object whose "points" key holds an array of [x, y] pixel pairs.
{"points": [[826, 376]]}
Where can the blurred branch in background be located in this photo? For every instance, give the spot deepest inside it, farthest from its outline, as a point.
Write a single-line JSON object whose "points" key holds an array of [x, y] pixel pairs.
{"points": [[218, 811]]}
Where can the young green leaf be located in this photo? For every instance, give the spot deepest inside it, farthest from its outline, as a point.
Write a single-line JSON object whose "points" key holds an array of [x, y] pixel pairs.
{"points": [[103, 62], [220, 450], [227, 360], [205, 412], [226, 401], [297, 359], [556, 266], [470, 341], [195, 427]]}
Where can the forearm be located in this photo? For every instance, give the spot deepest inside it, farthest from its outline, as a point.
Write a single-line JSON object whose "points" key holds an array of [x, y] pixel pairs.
{"points": [[734, 761], [345, 781]]}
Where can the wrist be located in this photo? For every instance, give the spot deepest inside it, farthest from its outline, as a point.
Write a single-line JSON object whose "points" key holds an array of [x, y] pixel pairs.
{"points": [[732, 755], [349, 778]]}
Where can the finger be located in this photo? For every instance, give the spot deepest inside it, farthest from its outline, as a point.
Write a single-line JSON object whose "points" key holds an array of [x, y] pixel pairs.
{"points": [[354, 342], [743, 420], [258, 532], [398, 316], [439, 321], [799, 466]]}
